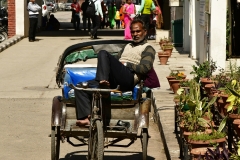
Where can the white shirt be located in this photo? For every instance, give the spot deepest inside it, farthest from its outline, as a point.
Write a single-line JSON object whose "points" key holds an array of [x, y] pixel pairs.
{"points": [[98, 8]]}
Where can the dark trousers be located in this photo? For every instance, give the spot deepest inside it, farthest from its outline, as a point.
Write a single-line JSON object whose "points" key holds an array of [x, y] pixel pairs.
{"points": [[96, 24], [117, 23], [32, 28], [76, 21], [146, 19], [108, 68], [86, 20]]}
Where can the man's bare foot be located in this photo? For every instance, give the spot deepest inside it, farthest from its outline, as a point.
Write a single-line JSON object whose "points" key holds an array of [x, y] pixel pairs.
{"points": [[104, 82], [83, 122]]}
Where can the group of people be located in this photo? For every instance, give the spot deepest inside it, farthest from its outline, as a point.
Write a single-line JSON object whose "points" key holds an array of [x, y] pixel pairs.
{"points": [[115, 13]]}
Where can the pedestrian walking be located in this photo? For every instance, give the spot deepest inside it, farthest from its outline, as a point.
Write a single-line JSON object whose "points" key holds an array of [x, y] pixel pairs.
{"points": [[84, 17], [117, 19], [146, 9], [122, 15], [75, 14], [129, 10], [33, 11], [105, 12], [96, 19], [111, 14]]}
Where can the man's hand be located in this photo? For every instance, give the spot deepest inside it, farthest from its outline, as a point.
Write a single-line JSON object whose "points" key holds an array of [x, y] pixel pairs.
{"points": [[101, 19]]}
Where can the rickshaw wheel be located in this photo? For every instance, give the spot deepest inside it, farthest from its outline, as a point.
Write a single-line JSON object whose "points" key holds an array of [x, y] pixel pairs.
{"points": [[55, 142], [144, 141], [96, 146]]}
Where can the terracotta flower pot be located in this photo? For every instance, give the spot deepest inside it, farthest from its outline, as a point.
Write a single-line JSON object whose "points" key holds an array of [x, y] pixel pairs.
{"points": [[170, 78], [175, 85], [186, 134], [205, 81], [209, 89], [163, 58], [200, 151], [198, 144], [168, 51], [236, 124]]}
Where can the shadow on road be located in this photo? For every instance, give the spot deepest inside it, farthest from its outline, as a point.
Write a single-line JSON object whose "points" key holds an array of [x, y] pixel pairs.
{"points": [[135, 155]]}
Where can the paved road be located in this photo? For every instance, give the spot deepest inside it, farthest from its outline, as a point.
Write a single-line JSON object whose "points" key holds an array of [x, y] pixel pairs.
{"points": [[27, 86]]}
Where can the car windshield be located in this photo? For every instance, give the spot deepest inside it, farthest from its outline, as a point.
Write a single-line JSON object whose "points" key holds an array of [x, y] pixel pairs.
{"points": [[69, 1]]}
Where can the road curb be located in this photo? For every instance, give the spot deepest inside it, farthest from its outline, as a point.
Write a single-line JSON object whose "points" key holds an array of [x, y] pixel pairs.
{"points": [[9, 42], [156, 117]]}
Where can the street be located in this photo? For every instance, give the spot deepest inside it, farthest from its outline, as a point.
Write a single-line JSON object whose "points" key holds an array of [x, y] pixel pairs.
{"points": [[27, 88]]}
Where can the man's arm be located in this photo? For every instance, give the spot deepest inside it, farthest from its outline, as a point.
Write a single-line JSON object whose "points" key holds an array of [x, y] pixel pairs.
{"points": [[141, 7], [33, 8], [146, 63], [153, 6]]}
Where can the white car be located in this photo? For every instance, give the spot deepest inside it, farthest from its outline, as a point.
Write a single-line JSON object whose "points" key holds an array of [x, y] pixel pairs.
{"points": [[45, 11], [68, 5]]}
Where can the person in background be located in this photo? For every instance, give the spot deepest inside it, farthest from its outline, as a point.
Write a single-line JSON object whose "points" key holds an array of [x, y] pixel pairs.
{"points": [[146, 9], [33, 11], [53, 24], [96, 19], [129, 67], [76, 14], [128, 10], [122, 15], [111, 14], [154, 18], [117, 19], [105, 12], [84, 17]]}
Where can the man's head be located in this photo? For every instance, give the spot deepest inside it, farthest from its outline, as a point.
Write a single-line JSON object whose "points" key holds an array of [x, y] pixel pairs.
{"points": [[33, 1], [138, 30], [74, 1]]}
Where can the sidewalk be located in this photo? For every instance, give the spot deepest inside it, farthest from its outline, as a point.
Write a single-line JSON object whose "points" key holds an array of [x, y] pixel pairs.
{"points": [[164, 110]]}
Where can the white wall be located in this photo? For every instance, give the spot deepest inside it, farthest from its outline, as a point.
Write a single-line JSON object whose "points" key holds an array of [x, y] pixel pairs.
{"points": [[22, 21], [186, 37], [194, 27], [218, 32]]}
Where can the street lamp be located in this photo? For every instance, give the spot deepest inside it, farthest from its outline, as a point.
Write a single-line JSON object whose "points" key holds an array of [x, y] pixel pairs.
{"points": [[238, 1]]}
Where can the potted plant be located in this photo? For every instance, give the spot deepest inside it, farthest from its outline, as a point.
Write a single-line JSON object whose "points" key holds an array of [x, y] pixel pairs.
{"points": [[174, 83], [163, 57], [167, 47], [164, 40], [204, 70], [194, 120]]}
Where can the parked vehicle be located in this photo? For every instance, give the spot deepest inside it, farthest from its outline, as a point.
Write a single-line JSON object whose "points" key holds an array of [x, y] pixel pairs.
{"points": [[3, 24], [49, 6], [45, 11], [68, 5], [54, 6], [61, 6]]}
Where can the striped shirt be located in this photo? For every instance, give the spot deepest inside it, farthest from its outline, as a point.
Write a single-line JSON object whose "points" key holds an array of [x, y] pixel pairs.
{"points": [[146, 62]]}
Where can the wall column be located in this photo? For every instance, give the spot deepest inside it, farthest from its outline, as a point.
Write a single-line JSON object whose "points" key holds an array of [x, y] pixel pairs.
{"points": [[186, 37], [218, 32], [22, 20]]}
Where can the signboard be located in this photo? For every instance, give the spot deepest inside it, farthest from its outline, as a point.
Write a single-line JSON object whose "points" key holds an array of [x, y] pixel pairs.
{"points": [[202, 12], [175, 3]]}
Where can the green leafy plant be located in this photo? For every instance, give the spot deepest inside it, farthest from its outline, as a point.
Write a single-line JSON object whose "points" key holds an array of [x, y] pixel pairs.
{"points": [[234, 96], [204, 70], [197, 136], [178, 75]]}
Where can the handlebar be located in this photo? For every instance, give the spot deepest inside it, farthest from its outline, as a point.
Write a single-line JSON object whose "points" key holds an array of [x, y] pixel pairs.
{"points": [[95, 89]]}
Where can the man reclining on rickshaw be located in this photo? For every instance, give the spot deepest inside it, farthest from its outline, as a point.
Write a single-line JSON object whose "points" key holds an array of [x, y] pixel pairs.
{"points": [[132, 64]]}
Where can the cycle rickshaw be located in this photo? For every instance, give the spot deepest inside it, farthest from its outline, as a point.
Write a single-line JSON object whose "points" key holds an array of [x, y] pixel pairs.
{"points": [[118, 115]]}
